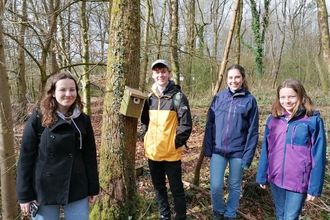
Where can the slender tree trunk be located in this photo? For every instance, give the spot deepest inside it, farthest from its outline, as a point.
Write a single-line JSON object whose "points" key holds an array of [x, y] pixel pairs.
{"points": [[48, 41], [174, 41], [191, 36], [21, 82], [8, 191], [119, 197], [227, 48], [218, 14], [85, 58], [158, 32], [145, 56], [277, 59], [322, 16], [237, 33]]}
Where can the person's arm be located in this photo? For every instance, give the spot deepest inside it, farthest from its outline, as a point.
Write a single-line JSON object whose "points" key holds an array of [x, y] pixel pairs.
{"points": [[263, 160], [208, 134], [144, 119], [90, 159], [27, 156], [319, 159], [185, 122], [252, 136]]}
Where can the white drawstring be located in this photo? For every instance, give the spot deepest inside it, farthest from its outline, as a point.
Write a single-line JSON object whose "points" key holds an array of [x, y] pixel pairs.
{"points": [[80, 140], [76, 113]]}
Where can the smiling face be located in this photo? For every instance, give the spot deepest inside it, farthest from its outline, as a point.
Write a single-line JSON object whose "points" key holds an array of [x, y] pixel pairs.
{"points": [[234, 79], [289, 99], [161, 76], [65, 94]]}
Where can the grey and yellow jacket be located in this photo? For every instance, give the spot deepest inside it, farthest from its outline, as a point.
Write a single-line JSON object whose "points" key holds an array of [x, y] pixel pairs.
{"points": [[166, 127]]}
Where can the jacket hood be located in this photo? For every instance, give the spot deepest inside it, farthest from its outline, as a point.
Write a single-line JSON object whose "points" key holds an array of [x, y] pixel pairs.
{"points": [[75, 114]]}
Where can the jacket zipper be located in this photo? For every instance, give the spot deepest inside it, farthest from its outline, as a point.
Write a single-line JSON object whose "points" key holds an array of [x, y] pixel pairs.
{"points": [[227, 127]]}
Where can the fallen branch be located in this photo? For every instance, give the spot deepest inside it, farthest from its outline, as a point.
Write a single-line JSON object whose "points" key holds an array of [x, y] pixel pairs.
{"points": [[207, 193], [199, 189]]}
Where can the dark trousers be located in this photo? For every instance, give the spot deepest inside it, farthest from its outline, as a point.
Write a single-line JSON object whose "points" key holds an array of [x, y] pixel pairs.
{"points": [[158, 170]]}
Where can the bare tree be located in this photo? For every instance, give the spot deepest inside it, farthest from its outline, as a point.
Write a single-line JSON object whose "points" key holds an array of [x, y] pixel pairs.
{"points": [[46, 41], [145, 51], [85, 58], [21, 82], [237, 33], [276, 55], [191, 43], [174, 41], [8, 192]]}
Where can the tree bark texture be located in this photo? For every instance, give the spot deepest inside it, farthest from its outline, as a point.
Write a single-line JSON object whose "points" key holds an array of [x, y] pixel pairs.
{"points": [[119, 133], [324, 35], [85, 58], [174, 41]]}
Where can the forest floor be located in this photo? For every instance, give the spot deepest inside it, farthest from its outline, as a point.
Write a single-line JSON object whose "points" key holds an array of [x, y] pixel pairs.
{"points": [[255, 203]]}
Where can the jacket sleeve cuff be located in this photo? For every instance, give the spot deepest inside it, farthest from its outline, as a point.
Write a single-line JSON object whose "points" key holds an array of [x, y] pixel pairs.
{"points": [[245, 166]]}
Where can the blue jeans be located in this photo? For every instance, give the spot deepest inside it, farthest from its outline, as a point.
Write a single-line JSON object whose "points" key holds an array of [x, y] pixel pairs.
{"points": [[158, 171], [72, 211], [288, 204], [218, 166]]}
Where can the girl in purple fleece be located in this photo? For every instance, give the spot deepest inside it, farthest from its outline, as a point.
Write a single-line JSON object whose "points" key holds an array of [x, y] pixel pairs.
{"points": [[293, 155]]}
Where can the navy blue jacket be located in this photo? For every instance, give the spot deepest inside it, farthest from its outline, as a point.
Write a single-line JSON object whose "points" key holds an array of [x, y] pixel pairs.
{"points": [[232, 126]]}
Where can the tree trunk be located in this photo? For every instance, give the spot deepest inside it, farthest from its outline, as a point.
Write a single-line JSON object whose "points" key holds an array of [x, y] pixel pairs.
{"points": [[237, 33], [52, 10], [8, 190], [174, 41], [191, 42], [119, 199], [276, 59], [322, 16], [21, 82], [145, 56], [259, 30], [158, 33], [227, 48], [85, 58]]}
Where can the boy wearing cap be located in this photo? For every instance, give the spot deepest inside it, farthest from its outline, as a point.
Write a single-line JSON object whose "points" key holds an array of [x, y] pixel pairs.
{"points": [[166, 126]]}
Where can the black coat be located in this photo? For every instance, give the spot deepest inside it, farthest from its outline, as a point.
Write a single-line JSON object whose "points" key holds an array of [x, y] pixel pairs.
{"points": [[52, 169]]}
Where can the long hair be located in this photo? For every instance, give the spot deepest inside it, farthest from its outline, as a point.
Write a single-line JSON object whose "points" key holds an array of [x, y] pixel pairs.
{"points": [[304, 101], [241, 71], [49, 104]]}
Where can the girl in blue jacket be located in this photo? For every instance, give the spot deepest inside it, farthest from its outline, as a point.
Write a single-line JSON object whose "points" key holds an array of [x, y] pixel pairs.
{"points": [[231, 136], [293, 154]]}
